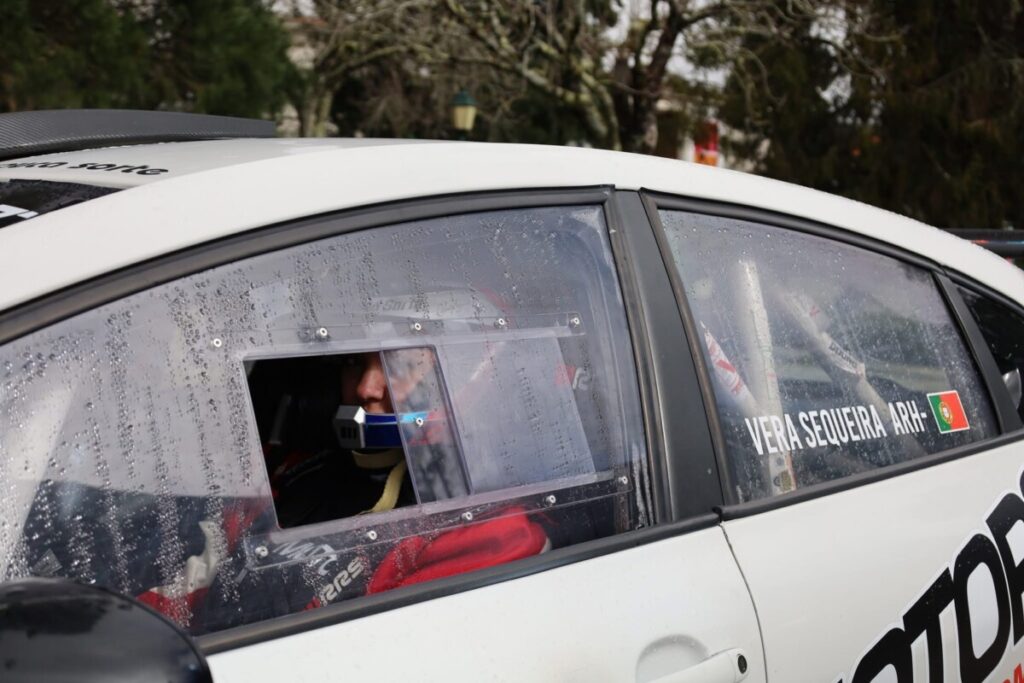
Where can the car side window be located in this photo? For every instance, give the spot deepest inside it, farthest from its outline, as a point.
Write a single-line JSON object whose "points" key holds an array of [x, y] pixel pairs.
{"points": [[334, 419], [826, 359], [1003, 330]]}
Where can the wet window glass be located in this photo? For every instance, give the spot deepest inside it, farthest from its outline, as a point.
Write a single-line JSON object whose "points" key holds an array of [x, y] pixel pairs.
{"points": [[827, 359], [335, 419], [1003, 330]]}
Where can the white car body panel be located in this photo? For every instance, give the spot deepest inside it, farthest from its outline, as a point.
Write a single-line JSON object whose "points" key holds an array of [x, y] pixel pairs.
{"points": [[596, 620], [831, 575], [80, 242]]}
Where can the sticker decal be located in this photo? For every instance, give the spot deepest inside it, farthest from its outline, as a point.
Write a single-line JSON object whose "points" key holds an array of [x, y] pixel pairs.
{"points": [[988, 549], [137, 169], [8, 211], [948, 412], [845, 424]]}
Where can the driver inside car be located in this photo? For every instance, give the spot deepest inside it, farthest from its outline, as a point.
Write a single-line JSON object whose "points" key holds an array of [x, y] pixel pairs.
{"points": [[318, 476], [335, 480]]}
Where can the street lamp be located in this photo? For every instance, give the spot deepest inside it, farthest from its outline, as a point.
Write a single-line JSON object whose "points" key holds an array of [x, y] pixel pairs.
{"points": [[463, 113]]}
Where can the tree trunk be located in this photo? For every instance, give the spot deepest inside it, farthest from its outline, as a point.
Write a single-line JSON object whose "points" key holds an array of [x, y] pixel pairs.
{"points": [[314, 111], [323, 113], [641, 134]]}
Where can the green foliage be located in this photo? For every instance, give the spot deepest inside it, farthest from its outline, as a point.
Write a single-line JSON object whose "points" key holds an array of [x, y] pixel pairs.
{"points": [[790, 105], [69, 53], [952, 114], [932, 128], [212, 56], [398, 98], [217, 56]]}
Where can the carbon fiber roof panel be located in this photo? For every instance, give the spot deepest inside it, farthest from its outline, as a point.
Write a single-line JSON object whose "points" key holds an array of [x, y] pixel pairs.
{"points": [[38, 132]]}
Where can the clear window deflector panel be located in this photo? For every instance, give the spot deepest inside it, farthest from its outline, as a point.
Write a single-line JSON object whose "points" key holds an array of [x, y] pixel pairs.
{"points": [[426, 423], [184, 444], [346, 563], [826, 359], [518, 416]]}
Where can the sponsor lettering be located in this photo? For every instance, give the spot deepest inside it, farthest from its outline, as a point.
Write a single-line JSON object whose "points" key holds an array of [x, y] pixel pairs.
{"points": [[139, 169], [833, 426], [986, 550], [395, 305], [319, 555], [329, 592], [34, 164]]}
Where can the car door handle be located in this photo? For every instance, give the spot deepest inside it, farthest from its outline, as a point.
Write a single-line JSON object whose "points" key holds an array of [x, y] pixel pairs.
{"points": [[730, 666]]}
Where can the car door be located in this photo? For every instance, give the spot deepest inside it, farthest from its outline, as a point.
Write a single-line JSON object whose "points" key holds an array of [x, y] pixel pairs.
{"points": [[876, 505], [549, 532]]}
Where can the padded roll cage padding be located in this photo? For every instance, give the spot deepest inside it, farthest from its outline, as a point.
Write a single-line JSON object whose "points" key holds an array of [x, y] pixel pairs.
{"points": [[63, 130]]}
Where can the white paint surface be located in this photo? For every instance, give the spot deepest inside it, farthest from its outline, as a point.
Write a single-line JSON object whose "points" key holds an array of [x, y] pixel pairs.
{"points": [[832, 575], [643, 612], [55, 250]]}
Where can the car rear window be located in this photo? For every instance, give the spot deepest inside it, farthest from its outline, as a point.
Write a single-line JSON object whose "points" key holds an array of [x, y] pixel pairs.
{"points": [[826, 359]]}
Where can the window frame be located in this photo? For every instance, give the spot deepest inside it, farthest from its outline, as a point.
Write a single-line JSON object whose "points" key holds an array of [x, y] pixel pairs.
{"points": [[1006, 414], [956, 281], [684, 490], [1010, 427]]}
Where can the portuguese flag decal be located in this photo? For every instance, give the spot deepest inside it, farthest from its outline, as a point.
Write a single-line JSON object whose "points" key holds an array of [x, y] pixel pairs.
{"points": [[948, 411]]}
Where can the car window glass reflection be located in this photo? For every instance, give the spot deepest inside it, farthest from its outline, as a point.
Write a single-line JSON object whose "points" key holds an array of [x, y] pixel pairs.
{"points": [[827, 359]]}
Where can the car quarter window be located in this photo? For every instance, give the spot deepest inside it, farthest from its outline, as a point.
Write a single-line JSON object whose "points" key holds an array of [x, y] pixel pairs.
{"points": [[1003, 330], [826, 359], [330, 420]]}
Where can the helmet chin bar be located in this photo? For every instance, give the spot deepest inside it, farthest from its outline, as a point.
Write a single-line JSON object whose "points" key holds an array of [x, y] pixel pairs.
{"points": [[356, 429]]}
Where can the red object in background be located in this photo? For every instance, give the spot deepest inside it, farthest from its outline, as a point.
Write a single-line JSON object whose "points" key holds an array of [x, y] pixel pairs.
{"points": [[705, 144], [477, 546]]}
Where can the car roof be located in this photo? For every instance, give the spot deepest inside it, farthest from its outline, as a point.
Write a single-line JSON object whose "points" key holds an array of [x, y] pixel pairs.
{"points": [[216, 188], [113, 166]]}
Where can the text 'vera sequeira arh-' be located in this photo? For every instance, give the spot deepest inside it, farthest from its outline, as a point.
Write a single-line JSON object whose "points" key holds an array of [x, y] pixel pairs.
{"points": [[833, 426]]}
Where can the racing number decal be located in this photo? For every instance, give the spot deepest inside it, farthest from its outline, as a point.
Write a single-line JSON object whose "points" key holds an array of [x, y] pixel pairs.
{"points": [[989, 551]]}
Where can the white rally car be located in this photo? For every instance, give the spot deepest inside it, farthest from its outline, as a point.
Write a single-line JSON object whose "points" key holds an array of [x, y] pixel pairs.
{"points": [[393, 411]]}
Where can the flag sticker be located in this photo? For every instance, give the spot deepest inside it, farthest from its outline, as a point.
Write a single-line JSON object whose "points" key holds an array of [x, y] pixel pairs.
{"points": [[948, 411]]}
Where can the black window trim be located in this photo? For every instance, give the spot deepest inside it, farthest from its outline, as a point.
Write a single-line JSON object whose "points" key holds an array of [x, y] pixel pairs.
{"points": [[1006, 414], [631, 239], [956, 281], [962, 280], [675, 410], [733, 508], [652, 203]]}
